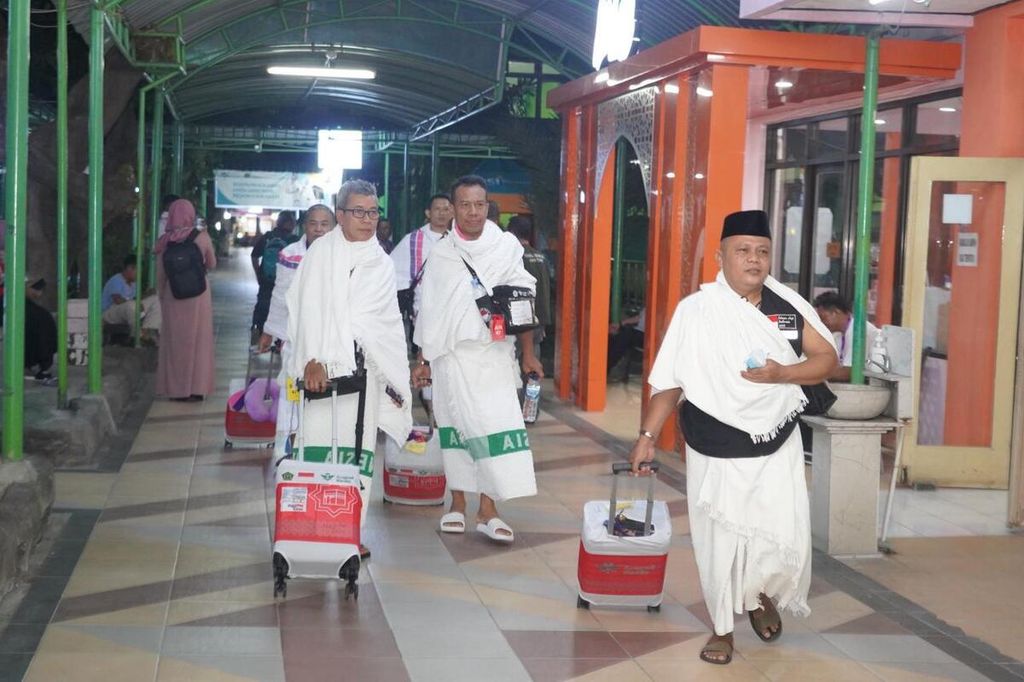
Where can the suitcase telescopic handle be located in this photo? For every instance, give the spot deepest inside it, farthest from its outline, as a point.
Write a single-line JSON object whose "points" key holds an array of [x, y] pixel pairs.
{"points": [[621, 468]]}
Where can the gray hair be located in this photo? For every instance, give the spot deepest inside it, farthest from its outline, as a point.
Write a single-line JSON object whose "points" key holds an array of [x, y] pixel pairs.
{"points": [[359, 187], [319, 207]]}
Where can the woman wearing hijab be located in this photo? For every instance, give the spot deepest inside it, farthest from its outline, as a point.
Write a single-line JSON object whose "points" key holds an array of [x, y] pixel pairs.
{"points": [[185, 371]]}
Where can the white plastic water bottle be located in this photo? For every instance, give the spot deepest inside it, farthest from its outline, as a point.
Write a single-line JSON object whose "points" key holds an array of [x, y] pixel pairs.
{"points": [[531, 401]]}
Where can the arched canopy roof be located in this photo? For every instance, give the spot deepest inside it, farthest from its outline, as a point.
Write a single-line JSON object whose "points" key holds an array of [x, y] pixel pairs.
{"points": [[429, 55]]}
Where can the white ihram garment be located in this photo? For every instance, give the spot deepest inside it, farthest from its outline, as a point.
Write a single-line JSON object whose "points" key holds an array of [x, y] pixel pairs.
{"points": [[749, 517]]}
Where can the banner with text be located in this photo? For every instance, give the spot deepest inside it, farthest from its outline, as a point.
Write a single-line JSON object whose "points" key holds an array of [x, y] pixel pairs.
{"points": [[277, 191]]}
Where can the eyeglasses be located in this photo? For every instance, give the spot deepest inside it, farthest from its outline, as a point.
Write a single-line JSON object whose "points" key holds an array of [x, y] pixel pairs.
{"points": [[362, 213]]}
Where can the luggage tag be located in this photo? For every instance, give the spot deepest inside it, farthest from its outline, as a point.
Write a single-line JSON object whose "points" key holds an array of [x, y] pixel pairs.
{"points": [[497, 327], [291, 390]]}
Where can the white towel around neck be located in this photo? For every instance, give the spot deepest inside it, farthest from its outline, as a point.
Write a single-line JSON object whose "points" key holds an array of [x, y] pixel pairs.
{"points": [[709, 339]]}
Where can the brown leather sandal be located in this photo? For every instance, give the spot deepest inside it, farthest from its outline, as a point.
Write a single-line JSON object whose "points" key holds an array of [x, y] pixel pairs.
{"points": [[766, 618], [717, 651]]}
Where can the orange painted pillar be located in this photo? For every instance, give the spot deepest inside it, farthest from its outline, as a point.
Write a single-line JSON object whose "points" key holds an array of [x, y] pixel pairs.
{"points": [[596, 292], [726, 147], [665, 247], [993, 78], [565, 329], [887, 242]]}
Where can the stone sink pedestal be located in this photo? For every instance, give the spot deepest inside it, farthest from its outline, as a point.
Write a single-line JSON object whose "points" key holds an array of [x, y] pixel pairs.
{"points": [[845, 474]]}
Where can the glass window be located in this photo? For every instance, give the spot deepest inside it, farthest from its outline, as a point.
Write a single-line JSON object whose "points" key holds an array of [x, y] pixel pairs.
{"points": [[787, 222], [888, 130], [790, 143], [829, 218], [831, 139], [938, 123]]}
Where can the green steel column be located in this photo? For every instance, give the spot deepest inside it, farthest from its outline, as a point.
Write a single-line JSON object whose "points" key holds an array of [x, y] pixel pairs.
{"points": [[387, 188], [96, 130], [177, 169], [17, 196], [407, 217], [155, 190], [865, 196], [62, 203], [140, 213], [435, 161], [618, 222]]}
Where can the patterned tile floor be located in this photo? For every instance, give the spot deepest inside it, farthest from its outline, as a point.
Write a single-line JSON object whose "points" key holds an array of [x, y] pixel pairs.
{"points": [[157, 568]]}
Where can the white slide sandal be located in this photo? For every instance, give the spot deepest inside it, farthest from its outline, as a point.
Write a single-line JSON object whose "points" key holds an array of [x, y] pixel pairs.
{"points": [[491, 528], [453, 522]]}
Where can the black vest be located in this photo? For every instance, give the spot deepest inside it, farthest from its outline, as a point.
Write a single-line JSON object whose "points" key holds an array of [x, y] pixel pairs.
{"points": [[710, 437]]}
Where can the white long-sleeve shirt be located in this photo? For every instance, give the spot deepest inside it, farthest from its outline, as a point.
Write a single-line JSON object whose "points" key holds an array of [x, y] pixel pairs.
{"points": [[410, 253], [288, 260]]}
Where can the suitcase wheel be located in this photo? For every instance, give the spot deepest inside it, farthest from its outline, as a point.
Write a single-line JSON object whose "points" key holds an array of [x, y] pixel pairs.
{"points": [[228, 444], [387, 501], [654, 609], [582, 603], [280, 575], [349, 572]]}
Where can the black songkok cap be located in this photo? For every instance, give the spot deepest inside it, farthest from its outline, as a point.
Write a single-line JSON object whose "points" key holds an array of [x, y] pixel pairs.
{"points": [[751, 223]]}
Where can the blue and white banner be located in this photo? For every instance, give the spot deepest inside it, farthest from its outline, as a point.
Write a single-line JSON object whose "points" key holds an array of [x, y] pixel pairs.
{"points": [[277, 191]]}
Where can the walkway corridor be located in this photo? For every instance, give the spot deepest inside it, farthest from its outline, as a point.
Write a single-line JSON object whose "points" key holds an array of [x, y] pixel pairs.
{"points": [[161, 571]]}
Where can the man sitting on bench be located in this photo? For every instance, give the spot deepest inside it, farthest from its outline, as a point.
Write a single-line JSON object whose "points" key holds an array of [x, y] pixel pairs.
{"points": [[118, 302]]}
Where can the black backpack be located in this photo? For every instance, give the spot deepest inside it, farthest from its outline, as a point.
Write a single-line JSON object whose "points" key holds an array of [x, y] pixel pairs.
{"points": [[184, 267]]}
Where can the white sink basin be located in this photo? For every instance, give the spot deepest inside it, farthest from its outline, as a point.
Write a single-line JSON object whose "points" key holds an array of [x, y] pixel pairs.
{"points": [[858, 402]]}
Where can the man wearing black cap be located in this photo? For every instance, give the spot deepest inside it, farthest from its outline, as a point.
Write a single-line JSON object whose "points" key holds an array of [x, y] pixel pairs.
{"points": [[738, 351]]}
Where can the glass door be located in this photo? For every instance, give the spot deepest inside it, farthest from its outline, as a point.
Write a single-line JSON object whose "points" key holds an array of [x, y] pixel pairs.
{"points": [[826, 258], [962, 286]]}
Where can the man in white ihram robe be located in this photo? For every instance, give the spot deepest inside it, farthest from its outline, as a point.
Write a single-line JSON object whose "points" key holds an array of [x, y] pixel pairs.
{"points": [[733, 361]]}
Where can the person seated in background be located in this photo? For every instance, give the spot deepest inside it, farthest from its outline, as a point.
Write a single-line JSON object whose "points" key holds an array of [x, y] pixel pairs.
{"points": [[835, 312], [627, 334], [40, 334], [118, 301]]}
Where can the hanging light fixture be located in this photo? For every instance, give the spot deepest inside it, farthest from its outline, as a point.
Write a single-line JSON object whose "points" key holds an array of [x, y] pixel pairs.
{"points": [[326, 71]]}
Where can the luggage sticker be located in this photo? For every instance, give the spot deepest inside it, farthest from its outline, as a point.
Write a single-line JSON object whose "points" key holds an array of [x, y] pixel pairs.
{"points": [[292, 390], [293, 499]]}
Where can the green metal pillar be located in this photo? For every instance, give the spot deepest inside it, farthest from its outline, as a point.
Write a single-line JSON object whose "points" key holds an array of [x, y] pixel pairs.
{"points": [[140, 213], [435, 161], [96, 131], [407, 216], [865, 196], [62, 203], [177, 169], [17, 197], [387, 188], [155, 189], [618, 222]]}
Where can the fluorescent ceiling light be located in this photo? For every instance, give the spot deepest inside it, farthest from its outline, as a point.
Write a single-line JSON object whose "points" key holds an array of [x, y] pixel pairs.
{"points": [[879, 121], [322, 72], [783, 83], [716, 57], [948, 110], [602, 77], [698, 176], [704, 92], [671, 88], [876, 2]]}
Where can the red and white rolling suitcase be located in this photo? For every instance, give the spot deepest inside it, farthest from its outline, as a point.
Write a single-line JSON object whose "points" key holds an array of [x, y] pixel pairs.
{"points": [[414, 471], [318, 505], [624, 571], [257, 429]]}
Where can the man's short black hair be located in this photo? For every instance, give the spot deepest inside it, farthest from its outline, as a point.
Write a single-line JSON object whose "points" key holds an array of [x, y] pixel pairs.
{"points": [[439, 195], [467, 181], [128, 260], [284, 217], [521, 226], [831, 300]]}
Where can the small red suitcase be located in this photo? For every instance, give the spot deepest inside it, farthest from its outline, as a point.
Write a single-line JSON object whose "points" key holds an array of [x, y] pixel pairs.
{"points": [[414, 471], [239, 427], [623, 571]]}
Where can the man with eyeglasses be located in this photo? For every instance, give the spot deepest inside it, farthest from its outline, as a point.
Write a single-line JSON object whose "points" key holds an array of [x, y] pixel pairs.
{"points": [[471, 360], [343, 298]]}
